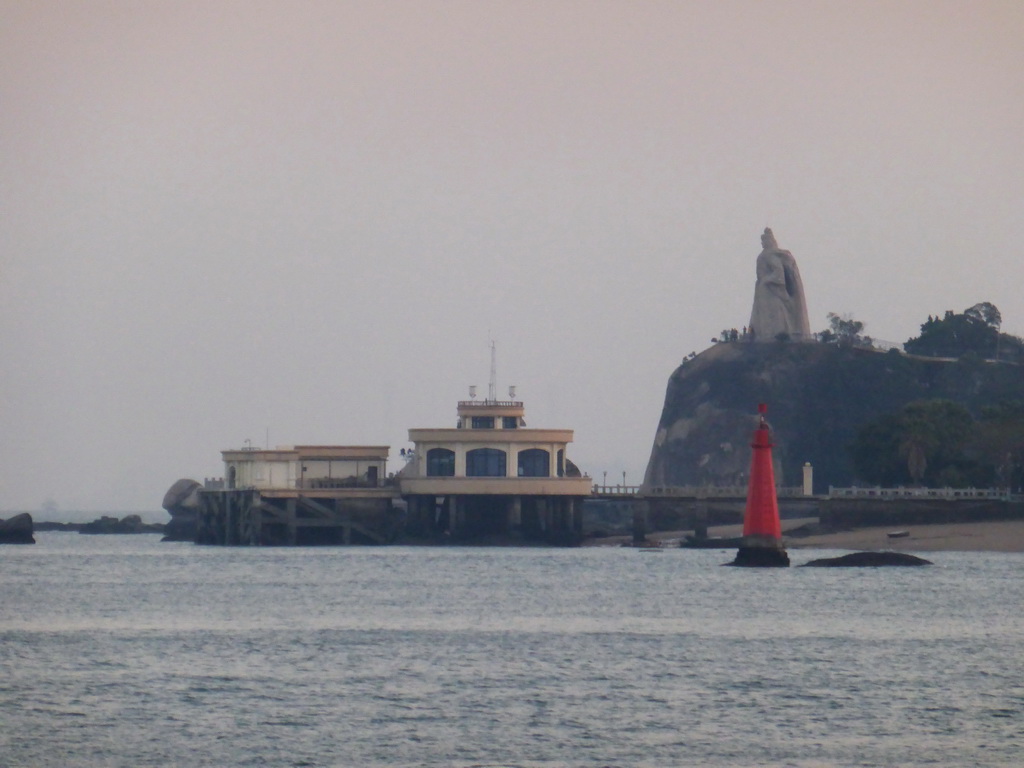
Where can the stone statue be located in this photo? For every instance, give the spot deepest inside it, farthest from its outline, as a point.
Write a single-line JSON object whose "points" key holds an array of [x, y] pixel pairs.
{"points": [[779, 304]]}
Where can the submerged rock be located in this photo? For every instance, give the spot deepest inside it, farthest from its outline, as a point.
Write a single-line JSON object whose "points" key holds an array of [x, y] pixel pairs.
{"points": [[17, 530], [867, 560]]}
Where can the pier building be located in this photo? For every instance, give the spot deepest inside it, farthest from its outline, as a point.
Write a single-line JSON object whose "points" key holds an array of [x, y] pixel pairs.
{"points": [[491, 475], [306, 467], [305, 494]]}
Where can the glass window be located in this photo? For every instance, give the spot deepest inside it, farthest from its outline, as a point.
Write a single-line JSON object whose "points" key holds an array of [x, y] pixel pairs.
{"points": [[485, 462], [534, 462], [509, 422], [440, 462], [561, 463], [483, 422]]}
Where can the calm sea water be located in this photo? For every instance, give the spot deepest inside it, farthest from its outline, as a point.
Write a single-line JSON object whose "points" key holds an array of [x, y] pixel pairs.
{"points": [[124, 651]]}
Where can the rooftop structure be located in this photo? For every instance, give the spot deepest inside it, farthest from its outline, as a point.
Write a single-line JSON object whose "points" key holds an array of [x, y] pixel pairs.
{"points": [[305, 467], [302, 494], [490, 474]]}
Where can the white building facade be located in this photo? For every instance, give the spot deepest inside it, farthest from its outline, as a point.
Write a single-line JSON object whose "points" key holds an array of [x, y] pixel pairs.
{"points": [[493, 475], [305, 467]]}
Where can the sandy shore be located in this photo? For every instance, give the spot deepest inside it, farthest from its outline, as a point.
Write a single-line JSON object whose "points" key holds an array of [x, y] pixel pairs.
{"points": [[1002, 536]]}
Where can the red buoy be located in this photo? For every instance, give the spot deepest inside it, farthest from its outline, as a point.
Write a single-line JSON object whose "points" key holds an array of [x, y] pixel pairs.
{"points": [[762, 529]]}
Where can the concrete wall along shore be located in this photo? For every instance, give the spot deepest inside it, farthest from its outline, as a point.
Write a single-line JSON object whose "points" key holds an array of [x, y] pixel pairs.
{"points": [[865, 511]]}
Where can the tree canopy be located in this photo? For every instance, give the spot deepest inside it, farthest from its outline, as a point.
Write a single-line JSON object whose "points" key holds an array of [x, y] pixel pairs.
{"points": [[844, 330], [973, 331], [938, 443]]}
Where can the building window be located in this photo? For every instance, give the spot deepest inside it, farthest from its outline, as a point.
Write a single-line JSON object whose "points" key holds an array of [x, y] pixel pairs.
{"points": [[509, 422], [561, 463], [483, 422], [440, 462], [485, 462], [534, 462]]}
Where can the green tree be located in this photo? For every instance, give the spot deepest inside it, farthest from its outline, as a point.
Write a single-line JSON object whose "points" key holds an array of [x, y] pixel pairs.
{"points": [[985, 312], [998, 443], [975, 330], [845, 331], [922, 443], [875, 452]]}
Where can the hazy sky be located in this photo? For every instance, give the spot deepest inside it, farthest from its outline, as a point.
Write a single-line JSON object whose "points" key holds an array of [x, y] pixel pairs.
{"points": [[220, 218]]}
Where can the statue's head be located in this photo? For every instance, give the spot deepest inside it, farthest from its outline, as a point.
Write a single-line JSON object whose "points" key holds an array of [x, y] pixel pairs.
{"points": [[768, 239]]}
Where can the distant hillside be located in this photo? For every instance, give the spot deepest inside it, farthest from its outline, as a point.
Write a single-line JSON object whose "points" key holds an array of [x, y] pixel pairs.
{"points": [[818, 396]]}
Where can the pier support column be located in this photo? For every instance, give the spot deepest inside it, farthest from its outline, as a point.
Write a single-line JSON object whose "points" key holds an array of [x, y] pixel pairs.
{"points": [[231, 519], [640, 513], [414, 520], [256, 509], [422, 515], [220, 529], [429, 515], [456, 515], [203, 520], [343, 513], [292, 536], [515, 513], [446, 514]]}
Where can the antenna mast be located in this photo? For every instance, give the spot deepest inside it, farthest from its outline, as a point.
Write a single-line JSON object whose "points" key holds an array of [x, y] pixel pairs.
{"points": [[492, 387]]}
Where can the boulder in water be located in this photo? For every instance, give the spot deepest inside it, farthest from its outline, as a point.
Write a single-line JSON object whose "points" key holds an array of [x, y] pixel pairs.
{"points": [[182, 503], [867, 560], [17, 530]]}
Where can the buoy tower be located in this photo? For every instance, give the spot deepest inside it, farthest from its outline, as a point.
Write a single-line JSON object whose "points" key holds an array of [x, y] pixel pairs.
{"points": [[762, 529]]}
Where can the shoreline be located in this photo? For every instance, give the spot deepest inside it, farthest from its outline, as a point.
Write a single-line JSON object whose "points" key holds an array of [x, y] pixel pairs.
{"points": [[982, 536]]}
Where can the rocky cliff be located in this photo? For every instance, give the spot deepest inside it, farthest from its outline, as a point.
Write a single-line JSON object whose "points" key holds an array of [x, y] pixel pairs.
{"points": [[818, 396]]}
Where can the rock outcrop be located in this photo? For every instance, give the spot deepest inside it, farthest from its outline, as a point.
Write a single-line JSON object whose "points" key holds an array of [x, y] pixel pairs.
{"points": [[17, 530], [780, 308], [182, 503], [126, 524], [867, 560], [819, 396]]}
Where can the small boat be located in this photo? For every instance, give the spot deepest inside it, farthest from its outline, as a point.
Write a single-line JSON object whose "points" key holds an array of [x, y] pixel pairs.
{"points": [[898, 534]]}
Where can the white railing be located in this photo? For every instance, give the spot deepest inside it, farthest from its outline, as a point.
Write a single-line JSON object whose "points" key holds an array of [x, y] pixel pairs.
{"points": [[490, 403], [617, 490], [919, 493], [715, 491], [885, 346]]}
